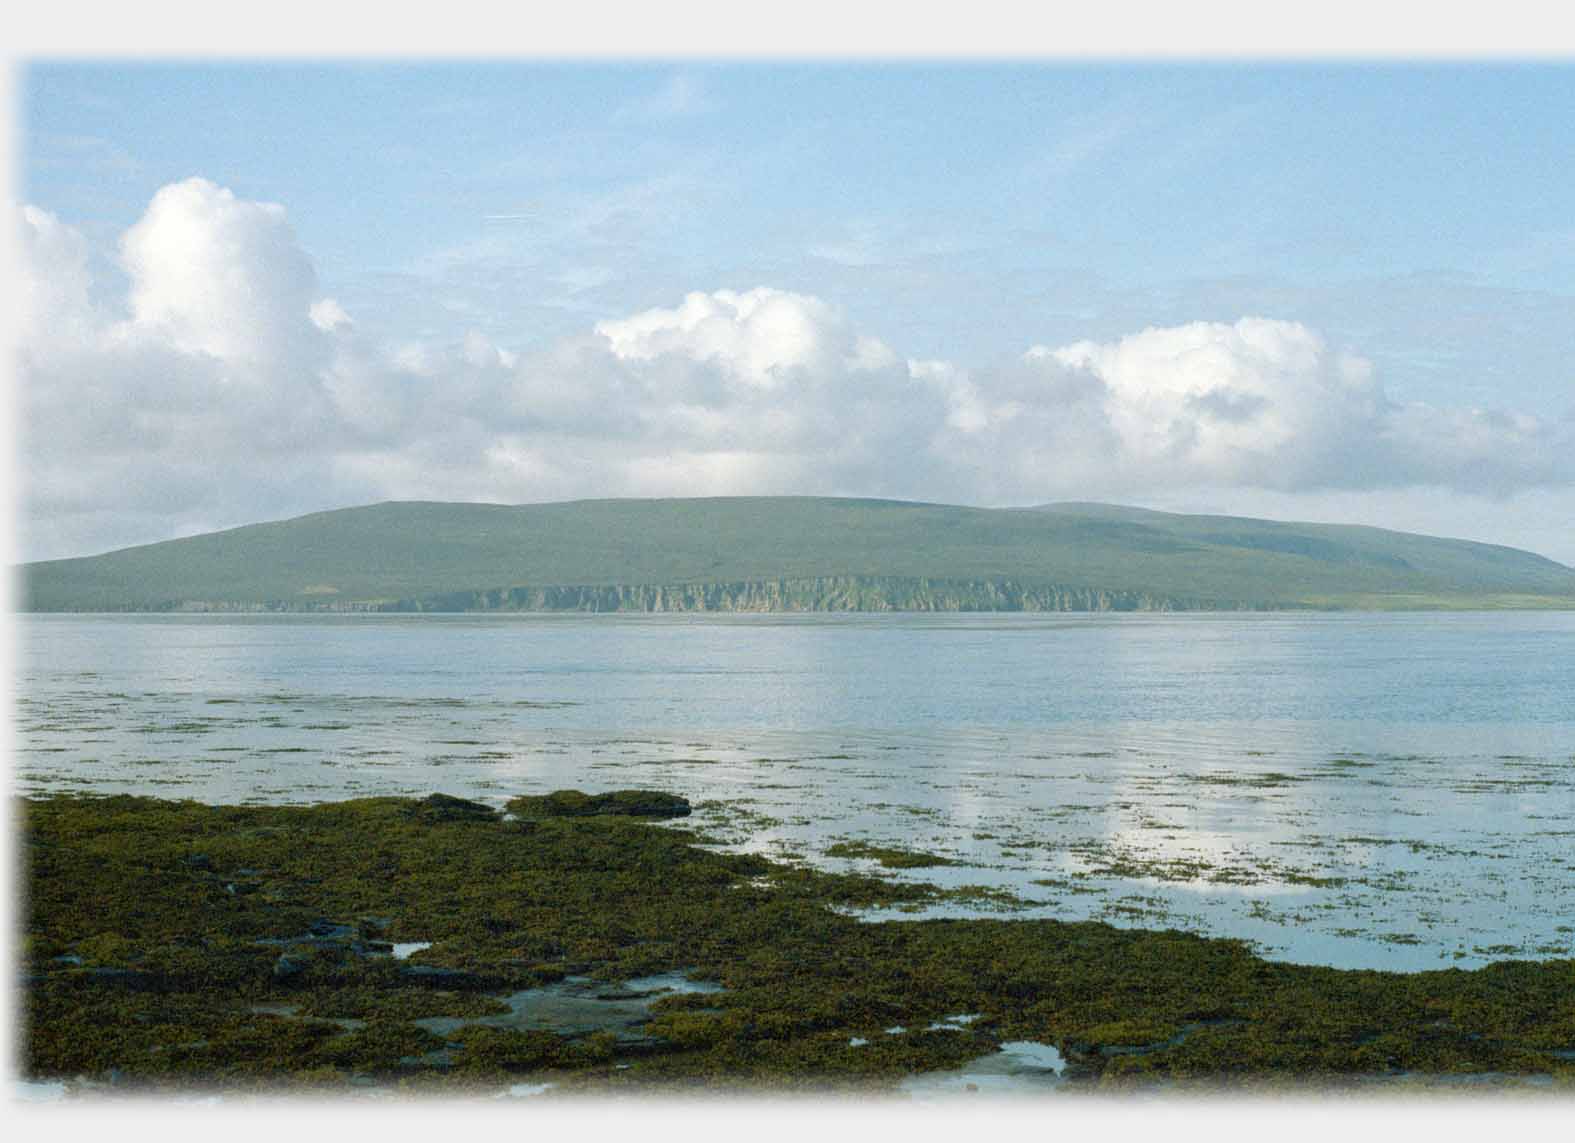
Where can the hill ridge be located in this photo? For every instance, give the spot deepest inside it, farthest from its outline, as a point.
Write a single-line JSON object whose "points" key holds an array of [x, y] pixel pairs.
{"points": [[876, 554]]}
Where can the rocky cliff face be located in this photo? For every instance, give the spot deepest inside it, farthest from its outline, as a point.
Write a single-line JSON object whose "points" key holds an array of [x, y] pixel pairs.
{"points": [[818, 593]]}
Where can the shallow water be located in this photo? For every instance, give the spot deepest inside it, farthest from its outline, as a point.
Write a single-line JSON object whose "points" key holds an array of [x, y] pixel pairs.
{"points": [[1392, 791], [577, 1005], [1020, 1067]]}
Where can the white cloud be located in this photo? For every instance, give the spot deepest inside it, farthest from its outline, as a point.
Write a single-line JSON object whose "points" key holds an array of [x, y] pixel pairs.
{"points": [[762, 338], [1268, 404], [52, 310], [214, 274], [227, 389], [201, 396], [328, 315], [1256, 402]]}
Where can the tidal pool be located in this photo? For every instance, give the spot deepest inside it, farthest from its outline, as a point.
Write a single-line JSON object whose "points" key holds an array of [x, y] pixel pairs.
{"points": [[578, 1005], [1021, 1067]]}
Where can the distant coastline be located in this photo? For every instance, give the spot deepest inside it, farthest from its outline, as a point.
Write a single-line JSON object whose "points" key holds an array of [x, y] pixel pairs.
{"points": [[821, 595], [806, 594], [787, 554]]}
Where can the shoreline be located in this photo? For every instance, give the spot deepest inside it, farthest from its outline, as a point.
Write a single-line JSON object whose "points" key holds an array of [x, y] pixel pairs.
{"points": [[156, 930]]}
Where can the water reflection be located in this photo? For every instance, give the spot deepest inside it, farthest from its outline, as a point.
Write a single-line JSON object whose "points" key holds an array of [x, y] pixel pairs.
{"points": [[1393, 791]]}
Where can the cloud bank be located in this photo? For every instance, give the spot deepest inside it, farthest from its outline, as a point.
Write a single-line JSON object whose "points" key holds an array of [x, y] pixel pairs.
{"points": [[225, 387]]}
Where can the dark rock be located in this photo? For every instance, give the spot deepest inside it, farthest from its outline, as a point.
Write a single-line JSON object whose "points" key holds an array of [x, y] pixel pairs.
{"points": [[446, 808], [128, 978], [333, 941], [199, 861], [435, 976], [575, 804]]}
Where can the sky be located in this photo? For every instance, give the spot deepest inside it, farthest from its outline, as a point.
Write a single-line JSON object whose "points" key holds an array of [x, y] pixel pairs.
{"points": [[1316, 291]]}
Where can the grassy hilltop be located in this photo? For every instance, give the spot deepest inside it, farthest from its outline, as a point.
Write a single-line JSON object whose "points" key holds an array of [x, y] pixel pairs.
{"points": [[792, 553]]}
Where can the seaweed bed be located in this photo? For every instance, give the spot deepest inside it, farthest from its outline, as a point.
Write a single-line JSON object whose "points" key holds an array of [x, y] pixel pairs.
{"points": [[171, 945]]}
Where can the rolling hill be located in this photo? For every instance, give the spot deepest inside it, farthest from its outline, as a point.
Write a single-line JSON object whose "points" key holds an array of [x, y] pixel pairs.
{"points": [[791, 553]]}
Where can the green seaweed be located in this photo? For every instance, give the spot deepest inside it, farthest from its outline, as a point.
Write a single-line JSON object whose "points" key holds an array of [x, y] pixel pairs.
{"points": [[174, 944], [890, 857], [573, 803]]}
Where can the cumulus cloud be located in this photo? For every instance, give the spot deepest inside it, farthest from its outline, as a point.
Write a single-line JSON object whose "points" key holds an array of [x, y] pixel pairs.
{"points": [[52, 309], [754, 391], [1233, 402], [763, 338], [226, 387], [218, 275], [175, 404], [1269, 404]]}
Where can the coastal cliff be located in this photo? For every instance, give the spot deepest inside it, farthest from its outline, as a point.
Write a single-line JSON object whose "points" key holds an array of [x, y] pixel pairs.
{"points": [[811, 593]]}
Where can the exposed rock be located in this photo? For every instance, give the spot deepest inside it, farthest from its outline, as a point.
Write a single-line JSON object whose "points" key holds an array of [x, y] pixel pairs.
{"points": [[575, 804], [128, 978], [435, 976], [447, 808], [333, 938]]}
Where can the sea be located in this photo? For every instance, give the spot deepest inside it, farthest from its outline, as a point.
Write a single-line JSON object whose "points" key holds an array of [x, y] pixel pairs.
{"points": [[1390, 791]]}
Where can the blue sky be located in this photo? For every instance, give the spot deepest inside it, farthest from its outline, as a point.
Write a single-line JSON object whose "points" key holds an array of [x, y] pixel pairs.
{"points": [[1419, 217]]}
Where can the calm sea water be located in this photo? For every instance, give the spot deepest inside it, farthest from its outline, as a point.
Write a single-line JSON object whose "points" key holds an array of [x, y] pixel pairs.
{"points": [[1390, 791]]}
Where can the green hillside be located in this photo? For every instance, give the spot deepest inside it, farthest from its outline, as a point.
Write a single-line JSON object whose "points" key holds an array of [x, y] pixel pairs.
{"points": [[792, 553]]}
